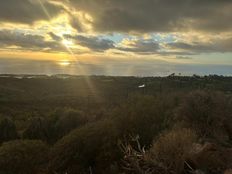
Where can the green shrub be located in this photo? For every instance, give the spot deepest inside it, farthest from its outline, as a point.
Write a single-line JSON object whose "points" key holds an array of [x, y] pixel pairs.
{"points": [[55, 126], [92, 146], [7, 130], [38, 129], [68, 120], [145, 116], [23, 157]]}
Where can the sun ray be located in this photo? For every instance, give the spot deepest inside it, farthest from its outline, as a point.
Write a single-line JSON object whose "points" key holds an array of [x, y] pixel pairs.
{"points": [[44, 9], [68, 44]]}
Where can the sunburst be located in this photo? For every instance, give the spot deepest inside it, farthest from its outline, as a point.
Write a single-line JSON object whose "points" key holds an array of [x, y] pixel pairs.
{"points": [[67, 43], [64, 63]]}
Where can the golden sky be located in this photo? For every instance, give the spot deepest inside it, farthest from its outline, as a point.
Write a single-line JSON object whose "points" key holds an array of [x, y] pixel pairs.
{"points": [[178, 31]]}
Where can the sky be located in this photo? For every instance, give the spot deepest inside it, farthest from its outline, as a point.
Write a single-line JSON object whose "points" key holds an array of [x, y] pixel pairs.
{"points": [[116, 37]]}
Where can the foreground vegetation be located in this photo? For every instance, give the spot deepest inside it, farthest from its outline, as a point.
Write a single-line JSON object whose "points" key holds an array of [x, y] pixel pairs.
{"points": [[110, 125]]}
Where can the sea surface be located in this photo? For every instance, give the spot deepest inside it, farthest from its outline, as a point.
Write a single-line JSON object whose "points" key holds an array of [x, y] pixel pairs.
{"points": [[111, 68]]}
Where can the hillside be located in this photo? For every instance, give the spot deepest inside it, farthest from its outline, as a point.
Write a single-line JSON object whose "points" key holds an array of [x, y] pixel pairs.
{"points": [[115, 125]]}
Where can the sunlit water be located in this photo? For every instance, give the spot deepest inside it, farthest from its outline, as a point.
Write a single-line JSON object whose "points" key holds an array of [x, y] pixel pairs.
{"points": [[115, 68]]}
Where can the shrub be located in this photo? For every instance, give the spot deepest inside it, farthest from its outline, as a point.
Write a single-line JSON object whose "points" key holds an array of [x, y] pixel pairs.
{"points": [[206, 113], [171, 149], [7, 130], [137, 159], [211, 158], [55, 126], [38, 129], [23, 157], [145, 116], [68, 120], [92, 146]]}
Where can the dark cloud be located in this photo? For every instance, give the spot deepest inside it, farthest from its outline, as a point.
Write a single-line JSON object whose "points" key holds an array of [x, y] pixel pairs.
{"points": [[192, 47], [180, 49], [148, 46], [76, 23], [157, 15], [34, 42], [216, 45], [152, 47], [39, 43], [27, 11], [27, 41], [92, 42], [55, 37]]}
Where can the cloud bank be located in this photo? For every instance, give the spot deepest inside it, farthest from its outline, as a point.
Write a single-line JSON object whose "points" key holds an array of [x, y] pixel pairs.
{"points": [[28, 11]]}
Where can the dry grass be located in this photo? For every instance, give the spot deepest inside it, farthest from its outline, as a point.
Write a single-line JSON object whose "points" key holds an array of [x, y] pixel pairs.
{"points": [[171, 149]]}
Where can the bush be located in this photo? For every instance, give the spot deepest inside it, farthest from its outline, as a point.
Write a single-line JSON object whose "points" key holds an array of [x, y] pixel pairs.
{"points": [[23, 157], [55, 126], [172, 149], [136, 159], [7, 130], [92, 146], [211, 158], [207, 113], [38, 129], [68, 120], [145, 116]]}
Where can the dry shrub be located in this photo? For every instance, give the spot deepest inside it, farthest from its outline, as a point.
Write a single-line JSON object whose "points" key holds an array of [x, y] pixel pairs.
{"points": [[172, 149], [208, 113], [212, 158], [137, 159]]}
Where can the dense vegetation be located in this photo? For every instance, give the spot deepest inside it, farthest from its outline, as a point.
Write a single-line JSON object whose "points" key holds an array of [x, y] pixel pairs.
{"points": [[110, 125]]}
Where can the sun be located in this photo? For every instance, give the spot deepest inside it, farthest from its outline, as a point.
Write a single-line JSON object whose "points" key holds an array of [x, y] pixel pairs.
{"points": [[64, 63], [67, 43]]}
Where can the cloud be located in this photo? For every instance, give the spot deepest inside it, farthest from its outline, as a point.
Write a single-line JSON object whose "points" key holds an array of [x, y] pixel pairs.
{"points": [[28, 11], [156, 15], [76, 23], [144, 46], [216, 45], [54, 36], [183, 57], [92, 42], [24, 41], [181, 48], [33, 42]]}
